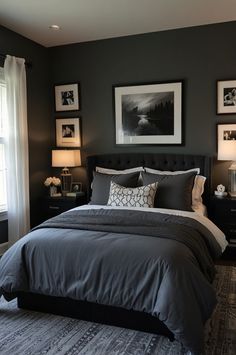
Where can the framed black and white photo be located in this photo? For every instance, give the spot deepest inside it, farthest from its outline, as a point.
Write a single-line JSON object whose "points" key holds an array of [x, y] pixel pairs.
{"points": [[148, 114], [226, 97], [227, 132], [68, 132], [226, 141], [76, 187], [67, 97]]}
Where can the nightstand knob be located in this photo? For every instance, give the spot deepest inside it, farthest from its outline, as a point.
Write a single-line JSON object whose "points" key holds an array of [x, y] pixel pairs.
{"points": [[53, 207]]}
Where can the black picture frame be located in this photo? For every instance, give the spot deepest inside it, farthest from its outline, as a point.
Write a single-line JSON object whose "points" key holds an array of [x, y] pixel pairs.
{"points": [[226, 97], [68, 132], [226, 141], [148, 114], [76, 187], [67, 97]]}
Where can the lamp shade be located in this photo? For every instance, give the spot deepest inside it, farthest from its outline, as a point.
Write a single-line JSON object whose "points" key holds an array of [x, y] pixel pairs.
{"points": [[66, 158], [227, 150]]}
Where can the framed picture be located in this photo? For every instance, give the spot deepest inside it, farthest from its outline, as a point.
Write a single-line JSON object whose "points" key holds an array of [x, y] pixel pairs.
{"points": [[226, 97], [68, 132], [226, 141], [76, 187], [148, 114], [67, 97]]}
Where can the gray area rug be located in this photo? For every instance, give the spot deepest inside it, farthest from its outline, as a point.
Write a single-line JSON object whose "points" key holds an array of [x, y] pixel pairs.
{"points": [[26, 332]]}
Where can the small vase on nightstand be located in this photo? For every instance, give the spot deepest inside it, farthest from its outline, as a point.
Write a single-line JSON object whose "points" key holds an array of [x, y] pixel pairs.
{"points": [[52, 190]]}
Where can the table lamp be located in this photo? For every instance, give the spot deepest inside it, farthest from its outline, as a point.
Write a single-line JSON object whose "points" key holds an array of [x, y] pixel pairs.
{"points": [[227, 151], [66, 158]]}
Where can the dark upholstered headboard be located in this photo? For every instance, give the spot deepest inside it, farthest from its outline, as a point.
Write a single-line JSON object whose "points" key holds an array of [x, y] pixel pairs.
{"points": [[151, 160]]}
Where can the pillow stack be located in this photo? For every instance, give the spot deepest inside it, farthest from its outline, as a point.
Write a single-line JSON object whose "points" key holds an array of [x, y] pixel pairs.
{"points": [[178, 190]]}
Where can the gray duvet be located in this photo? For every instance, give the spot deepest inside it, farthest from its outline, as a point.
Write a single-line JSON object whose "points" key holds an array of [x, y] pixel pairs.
{"points": [[150, 262]]}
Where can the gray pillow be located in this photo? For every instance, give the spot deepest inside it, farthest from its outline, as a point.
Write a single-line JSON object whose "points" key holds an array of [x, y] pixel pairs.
{"points": [[174, 191], [101, 185]]}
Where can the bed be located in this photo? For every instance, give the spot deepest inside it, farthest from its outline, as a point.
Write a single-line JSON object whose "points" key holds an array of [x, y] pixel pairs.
{"points": [[143, 268]]}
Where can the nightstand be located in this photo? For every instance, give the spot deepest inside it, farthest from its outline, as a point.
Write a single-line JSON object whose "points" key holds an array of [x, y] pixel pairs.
{"points": [[223, 214], [52, 206]]}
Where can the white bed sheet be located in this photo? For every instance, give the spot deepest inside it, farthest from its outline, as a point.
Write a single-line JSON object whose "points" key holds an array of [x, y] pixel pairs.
{"points": [[200, 209]]}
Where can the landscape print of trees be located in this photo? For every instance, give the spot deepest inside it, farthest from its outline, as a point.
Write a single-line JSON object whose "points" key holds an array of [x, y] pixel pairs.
{"points": [[148, 114]]}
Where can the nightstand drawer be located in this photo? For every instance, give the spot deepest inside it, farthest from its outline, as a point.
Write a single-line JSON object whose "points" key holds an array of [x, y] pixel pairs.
{"points": [[231, 230], [228, 229], [223, 214], [224, 210], [59, 205], [52, 206]]}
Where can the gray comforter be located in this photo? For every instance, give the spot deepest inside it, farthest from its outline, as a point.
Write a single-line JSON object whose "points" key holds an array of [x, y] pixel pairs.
{"points": [[150, 262]]}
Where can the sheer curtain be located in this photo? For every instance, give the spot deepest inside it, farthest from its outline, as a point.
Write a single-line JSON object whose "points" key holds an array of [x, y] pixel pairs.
{"points": [[17, 149]]}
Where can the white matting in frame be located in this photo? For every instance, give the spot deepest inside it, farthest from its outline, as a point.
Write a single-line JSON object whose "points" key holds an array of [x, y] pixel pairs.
{"points": [[226, 97], [68, 132], [149, 114], [67, 97]]}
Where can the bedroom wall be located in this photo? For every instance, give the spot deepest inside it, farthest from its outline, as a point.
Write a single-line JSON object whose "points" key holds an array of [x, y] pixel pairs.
{"points": [[198, 55], [39, 115]]}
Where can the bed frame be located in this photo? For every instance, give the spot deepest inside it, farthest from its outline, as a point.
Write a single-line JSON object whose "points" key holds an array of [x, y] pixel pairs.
{"points": [[107, 314], [170, 162]]}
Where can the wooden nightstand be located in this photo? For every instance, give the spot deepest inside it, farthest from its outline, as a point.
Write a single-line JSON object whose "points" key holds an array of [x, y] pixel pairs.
{"points": [[223, 214], [52, 206]]}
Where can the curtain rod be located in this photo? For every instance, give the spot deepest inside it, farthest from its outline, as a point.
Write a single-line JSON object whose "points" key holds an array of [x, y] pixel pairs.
{"points": [[27, 64]]}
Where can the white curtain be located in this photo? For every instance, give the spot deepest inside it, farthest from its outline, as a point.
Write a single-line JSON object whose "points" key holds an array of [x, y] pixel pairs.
{"points": [[17, 149]]}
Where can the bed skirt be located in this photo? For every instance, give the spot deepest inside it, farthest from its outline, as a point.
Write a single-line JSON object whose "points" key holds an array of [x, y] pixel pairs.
{"points": [[93, 312]]}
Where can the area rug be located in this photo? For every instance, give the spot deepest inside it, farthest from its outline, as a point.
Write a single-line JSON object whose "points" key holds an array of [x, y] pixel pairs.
{"points": [[26, 332]]}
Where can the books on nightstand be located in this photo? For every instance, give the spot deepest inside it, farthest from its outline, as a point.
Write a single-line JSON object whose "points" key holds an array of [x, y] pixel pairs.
{"points": [[75, 194]]}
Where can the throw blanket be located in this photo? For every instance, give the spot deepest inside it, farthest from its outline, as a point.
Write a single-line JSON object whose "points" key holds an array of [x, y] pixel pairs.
{"points": [[150, 262]]}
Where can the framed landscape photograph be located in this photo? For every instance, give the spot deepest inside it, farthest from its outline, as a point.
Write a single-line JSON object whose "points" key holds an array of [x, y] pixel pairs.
{"points": [[67, 97], [148, 114], [226, 97], [68, 132]]}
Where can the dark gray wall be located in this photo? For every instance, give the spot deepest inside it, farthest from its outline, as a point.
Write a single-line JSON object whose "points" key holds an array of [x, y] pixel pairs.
{"points": [[40, 124], [198, 55]]}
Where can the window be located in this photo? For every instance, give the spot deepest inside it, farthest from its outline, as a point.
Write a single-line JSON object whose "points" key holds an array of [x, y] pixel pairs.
{"points": [[3, 195]]}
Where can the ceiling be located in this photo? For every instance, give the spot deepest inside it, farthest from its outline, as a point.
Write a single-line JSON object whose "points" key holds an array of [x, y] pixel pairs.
{"points": [[88, 20]]}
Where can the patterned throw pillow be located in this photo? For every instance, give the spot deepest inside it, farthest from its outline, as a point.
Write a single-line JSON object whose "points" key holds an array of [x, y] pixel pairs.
{"points": [[142, 196]]}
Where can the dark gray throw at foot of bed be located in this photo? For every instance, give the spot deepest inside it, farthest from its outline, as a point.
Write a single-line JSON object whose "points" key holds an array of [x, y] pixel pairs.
{"points": [[150, 262]]}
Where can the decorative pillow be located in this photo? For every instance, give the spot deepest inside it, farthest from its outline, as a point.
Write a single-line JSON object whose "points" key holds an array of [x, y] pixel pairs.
{"points": [[101, 185], [174, 191], [142, 196], [116, 172]]}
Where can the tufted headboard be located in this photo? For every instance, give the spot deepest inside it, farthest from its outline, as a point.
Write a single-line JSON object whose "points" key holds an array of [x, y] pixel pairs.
{"points": [[151, 160]]}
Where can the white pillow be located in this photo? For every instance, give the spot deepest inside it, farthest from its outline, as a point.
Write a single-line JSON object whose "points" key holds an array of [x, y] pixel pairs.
{"points": [[177, 172], [198, 187], [114, 172], [142, 196]]}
